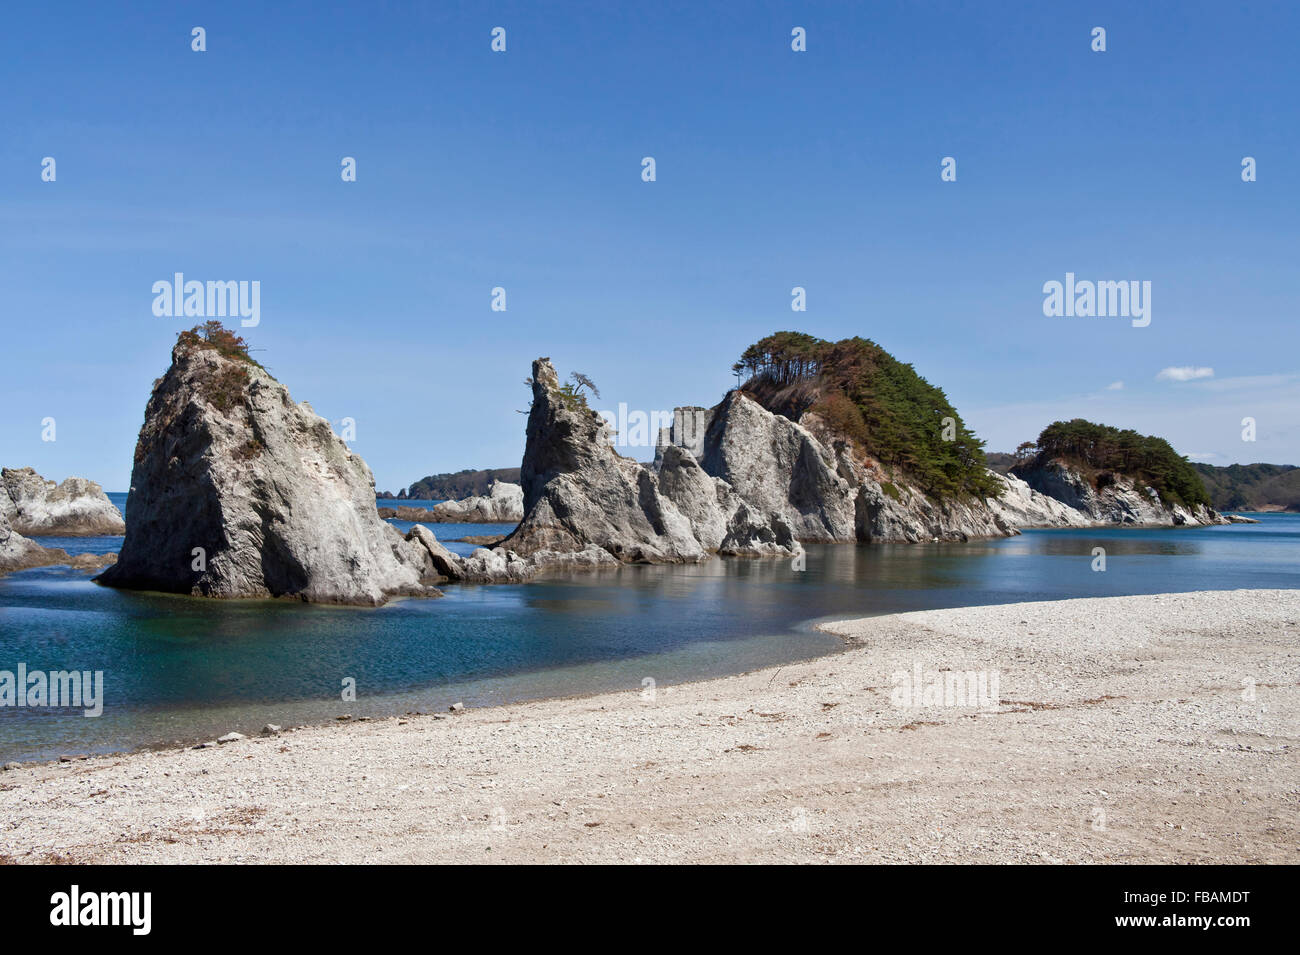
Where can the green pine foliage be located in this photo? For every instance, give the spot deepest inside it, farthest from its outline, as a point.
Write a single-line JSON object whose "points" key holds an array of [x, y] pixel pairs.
{"points": [[1102, 452], [1252, 487], [863, 392]]}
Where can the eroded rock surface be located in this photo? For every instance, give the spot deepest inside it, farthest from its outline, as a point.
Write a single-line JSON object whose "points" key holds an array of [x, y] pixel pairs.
{"points": [[19, 553], [822, 488], [76, 508], [238, 491], [503, 504], [579, 491], [1121, 501], [815, 483], [1021, 506]]}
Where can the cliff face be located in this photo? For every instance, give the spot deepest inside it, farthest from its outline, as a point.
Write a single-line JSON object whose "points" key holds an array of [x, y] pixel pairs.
{"points": [[75, 508], [721, 520], [1119, 502], [238, 491], [823, 488], [816, 484], [579, 491], [1020, 506], [779, 467]]}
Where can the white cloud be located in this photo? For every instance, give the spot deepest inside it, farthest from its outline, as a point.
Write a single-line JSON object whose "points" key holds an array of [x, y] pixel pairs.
{"points": [[1115, 386], [1184, 373]]}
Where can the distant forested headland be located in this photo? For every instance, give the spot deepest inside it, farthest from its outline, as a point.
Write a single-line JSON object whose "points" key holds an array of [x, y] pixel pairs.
{"points": [[454, 486], [1237, 487]]}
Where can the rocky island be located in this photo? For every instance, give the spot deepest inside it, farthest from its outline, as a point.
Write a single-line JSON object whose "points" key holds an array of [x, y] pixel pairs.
{"points": [[75, 508], [29, 504], [841, 442], [1115, 477], [579, 493], [502, 504], [238, 491], [824, 442], [461, 484]]}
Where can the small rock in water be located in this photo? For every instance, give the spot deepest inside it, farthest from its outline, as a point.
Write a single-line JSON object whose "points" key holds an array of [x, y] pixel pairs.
{"points": [[457, 708], [230, 737], [345, 716], [270, 729]]}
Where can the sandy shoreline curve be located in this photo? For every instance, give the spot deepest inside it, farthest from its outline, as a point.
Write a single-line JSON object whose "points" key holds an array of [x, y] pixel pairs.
{"points": [[1124, 729]]}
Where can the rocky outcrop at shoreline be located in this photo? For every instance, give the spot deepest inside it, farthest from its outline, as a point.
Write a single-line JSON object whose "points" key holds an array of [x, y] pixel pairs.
{"points": [[1020, 506], [16, 551], [578, 490], [461, 484], [1120, 500], [804, 477], [76, 508], [503, 504], [19, 553], [489, 566], [238, 491], [824, 488], [582, 496]]}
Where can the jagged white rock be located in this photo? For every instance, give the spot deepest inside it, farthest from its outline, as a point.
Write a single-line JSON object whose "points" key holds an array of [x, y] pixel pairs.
{"points": [[579, 491], [825, 489], [1119, 502], [238, 491], [484, 565], [76, 508], [720, 519], [503, 504], [16, 551], [1021, 506], [816, 483]]}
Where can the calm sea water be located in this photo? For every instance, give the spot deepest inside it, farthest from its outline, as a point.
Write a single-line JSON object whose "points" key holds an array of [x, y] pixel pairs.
{"points": [[183, 669]]}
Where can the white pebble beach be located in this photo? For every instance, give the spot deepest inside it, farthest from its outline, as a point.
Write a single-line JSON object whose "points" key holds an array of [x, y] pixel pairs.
{"points": [[1126, 730]]}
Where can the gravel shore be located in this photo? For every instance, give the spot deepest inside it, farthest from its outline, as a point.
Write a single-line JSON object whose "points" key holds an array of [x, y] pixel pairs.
{"points": [[1124, 729]]}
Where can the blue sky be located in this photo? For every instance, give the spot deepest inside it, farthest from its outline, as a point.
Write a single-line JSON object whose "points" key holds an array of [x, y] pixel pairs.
{"points": [[522, 170]]}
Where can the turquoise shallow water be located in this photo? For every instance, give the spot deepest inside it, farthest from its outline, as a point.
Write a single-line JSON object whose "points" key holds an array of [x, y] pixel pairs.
{"points": [[178, 668]]}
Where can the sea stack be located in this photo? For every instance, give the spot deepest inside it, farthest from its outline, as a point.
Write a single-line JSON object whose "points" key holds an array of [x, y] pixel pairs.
{"points": [[238, 491], [809, 478], [578, 490], [582, 497]]}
